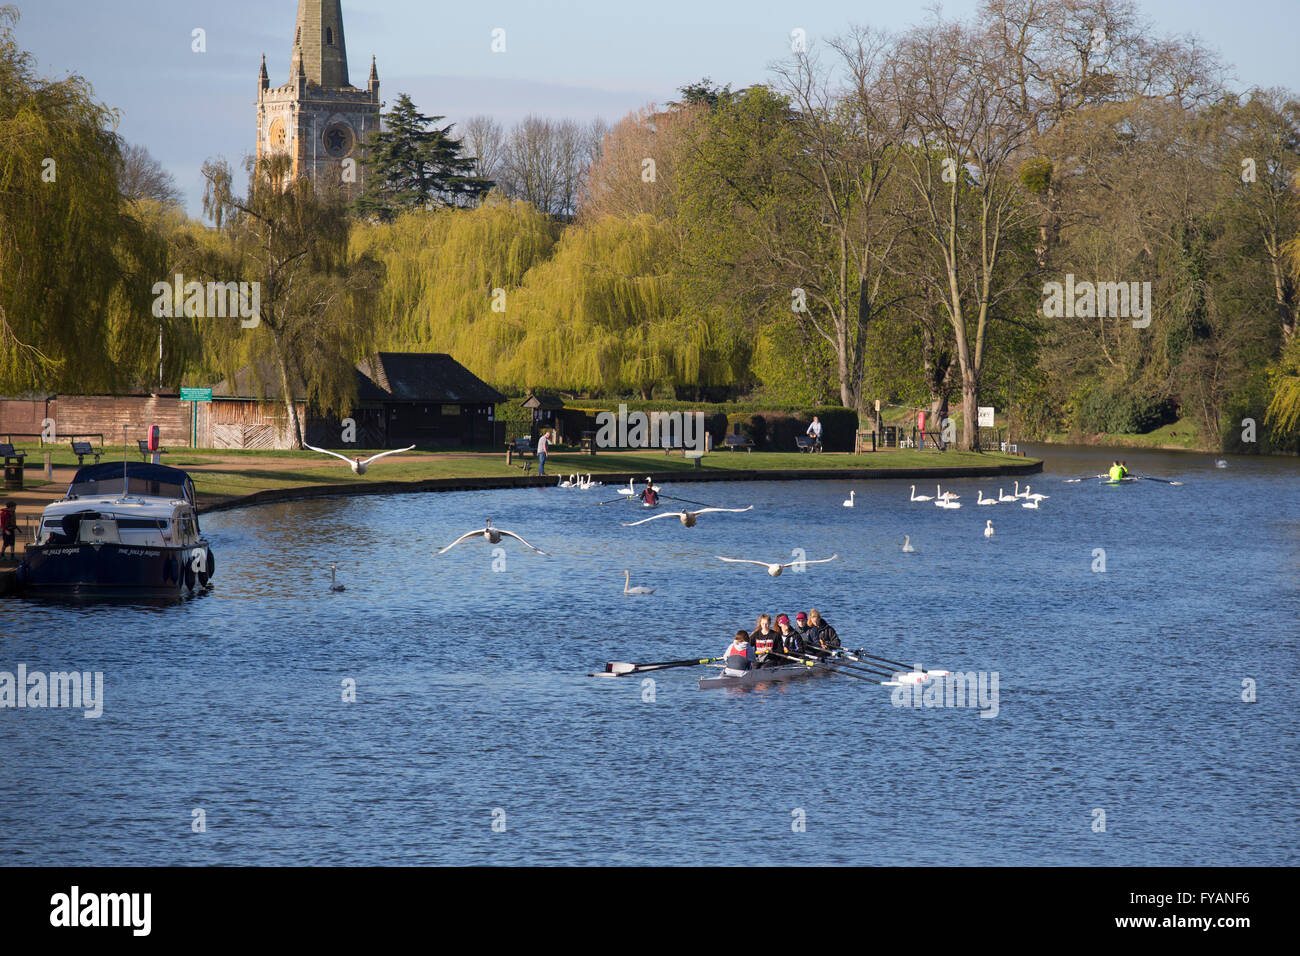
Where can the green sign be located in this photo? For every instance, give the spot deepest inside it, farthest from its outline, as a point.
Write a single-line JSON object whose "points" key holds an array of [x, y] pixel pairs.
{"points": [[196, 394]]}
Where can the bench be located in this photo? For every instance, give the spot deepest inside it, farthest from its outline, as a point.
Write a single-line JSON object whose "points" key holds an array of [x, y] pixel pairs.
{"points": [[83, 448], [144, 448], [807, 443], [693, 455], [732, 442], [7, 452]]}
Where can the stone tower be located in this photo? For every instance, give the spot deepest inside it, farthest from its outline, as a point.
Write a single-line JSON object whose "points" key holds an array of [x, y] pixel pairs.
{"points": [[318, 118]]}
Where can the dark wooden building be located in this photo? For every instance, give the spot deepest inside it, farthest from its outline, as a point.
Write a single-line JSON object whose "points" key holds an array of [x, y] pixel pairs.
{"points": [[427, 399], [403, 398]]}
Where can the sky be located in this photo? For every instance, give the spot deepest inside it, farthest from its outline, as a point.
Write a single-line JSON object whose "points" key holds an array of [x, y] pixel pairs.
{"points": [[579, 59]]}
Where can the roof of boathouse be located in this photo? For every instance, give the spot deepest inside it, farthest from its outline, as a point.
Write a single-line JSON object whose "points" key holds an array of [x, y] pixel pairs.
{"points": [[384, 377]]}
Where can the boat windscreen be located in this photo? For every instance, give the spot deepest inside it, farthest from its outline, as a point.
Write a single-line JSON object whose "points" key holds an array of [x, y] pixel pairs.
{"points": [[135, 486]]}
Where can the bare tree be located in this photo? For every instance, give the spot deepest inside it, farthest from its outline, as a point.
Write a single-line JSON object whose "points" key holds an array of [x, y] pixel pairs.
{"points": [[958, 86], [140, 176], [485, 140]]}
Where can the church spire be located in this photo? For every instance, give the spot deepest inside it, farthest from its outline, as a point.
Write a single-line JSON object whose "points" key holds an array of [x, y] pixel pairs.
{"points": [[263, 81], [373, 85], [319, 35]]}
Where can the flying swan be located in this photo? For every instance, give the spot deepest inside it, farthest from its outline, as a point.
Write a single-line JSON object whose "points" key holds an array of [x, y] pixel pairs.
{"points": [[775, 569], [359, 464], [493, 536], [687, 517]]}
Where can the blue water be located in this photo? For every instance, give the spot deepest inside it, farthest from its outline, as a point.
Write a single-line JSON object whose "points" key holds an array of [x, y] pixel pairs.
{"points": [[1118, 691]]}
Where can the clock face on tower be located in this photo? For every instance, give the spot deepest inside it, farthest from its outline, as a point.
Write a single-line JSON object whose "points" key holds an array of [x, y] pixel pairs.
{"points": [[276, 135], [338, 139]]}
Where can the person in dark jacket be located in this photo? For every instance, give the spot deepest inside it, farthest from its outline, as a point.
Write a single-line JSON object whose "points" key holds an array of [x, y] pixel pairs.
{"points": [[820, 638]]}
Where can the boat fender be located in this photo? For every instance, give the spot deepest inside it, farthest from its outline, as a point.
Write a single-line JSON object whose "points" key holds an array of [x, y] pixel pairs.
{"points": [[189, 575], [209, 568]]}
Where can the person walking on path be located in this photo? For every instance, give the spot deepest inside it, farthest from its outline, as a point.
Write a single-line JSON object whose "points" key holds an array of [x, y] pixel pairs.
{"points": [[543, 446]]}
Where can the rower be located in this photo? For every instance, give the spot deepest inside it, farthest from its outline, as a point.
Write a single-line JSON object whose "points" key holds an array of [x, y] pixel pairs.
{"points": [[739, 656], [1123, 469], [1115, 472], [820, 638], [789, 636], [765, 642], [649, 495]]}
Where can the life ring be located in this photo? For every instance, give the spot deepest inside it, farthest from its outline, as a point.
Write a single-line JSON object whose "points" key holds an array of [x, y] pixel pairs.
{"points": [[209, 568]]}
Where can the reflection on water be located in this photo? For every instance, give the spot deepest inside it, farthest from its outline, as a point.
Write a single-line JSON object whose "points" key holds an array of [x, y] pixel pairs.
{"points": [[1120, 690]]}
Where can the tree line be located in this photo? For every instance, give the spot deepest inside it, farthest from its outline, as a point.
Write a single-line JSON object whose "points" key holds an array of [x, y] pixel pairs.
{"points": [[888, 216]]}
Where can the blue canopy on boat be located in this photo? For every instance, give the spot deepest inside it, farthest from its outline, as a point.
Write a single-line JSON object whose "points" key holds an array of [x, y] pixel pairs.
{"points": [[144, 470]]}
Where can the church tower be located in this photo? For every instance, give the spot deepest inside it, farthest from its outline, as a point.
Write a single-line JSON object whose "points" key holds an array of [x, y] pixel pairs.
{"points": [[318, 118]]}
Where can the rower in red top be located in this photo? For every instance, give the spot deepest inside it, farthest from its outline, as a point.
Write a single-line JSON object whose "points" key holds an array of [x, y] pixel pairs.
{"points": [[739, 655], [649, 496]]}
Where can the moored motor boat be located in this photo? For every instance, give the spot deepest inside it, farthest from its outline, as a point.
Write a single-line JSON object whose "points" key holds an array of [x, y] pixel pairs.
{"points": [[123, 528]]}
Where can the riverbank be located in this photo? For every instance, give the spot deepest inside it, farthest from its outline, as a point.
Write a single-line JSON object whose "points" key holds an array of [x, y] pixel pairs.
{"points": [[225, 480], [227, 489]]}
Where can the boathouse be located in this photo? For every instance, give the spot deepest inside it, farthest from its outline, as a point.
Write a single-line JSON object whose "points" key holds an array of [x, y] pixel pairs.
{"points": [[403, 398]]}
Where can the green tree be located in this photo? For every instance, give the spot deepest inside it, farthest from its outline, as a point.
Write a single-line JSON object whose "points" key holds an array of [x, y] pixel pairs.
{"points": [[413, 164], [317, 301], [76, 262]]}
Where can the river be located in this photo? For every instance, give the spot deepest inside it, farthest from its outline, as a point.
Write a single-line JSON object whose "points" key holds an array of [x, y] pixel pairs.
{"points": [[1119, 733]]}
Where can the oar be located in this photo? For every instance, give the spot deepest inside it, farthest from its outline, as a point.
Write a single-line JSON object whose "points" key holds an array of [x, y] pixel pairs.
{"points": [[619, 668], [886, 660], [836, 669], [1084, 478], [1165, 480], [622, 498], [911, 677]]}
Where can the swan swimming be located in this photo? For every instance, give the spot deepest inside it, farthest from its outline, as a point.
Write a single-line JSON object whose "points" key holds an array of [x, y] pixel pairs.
{"points": [[985, 501], [1002, 497], [334, 584], [493, 536], [916, 497], [775, 569], [848, 502], [988, 529], [907, 544], [359, 464], [627, 579], [1032, 503]]}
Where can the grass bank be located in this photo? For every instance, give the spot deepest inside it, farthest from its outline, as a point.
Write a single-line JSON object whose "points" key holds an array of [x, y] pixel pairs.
{"points": [[220, 482]]}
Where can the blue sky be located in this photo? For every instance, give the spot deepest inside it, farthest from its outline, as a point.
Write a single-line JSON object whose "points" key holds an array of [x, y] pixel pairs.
{"points": [[579, 59]]}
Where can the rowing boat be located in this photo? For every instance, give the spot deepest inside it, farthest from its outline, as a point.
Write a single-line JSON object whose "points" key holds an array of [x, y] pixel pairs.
{"points": [[764, 675], [1117, 481]]}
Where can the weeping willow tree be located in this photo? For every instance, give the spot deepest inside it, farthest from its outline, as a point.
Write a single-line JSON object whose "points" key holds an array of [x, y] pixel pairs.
{"points": [[76, 264], [317, 313], [609, 313], [447, 269], [599, 307]]}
